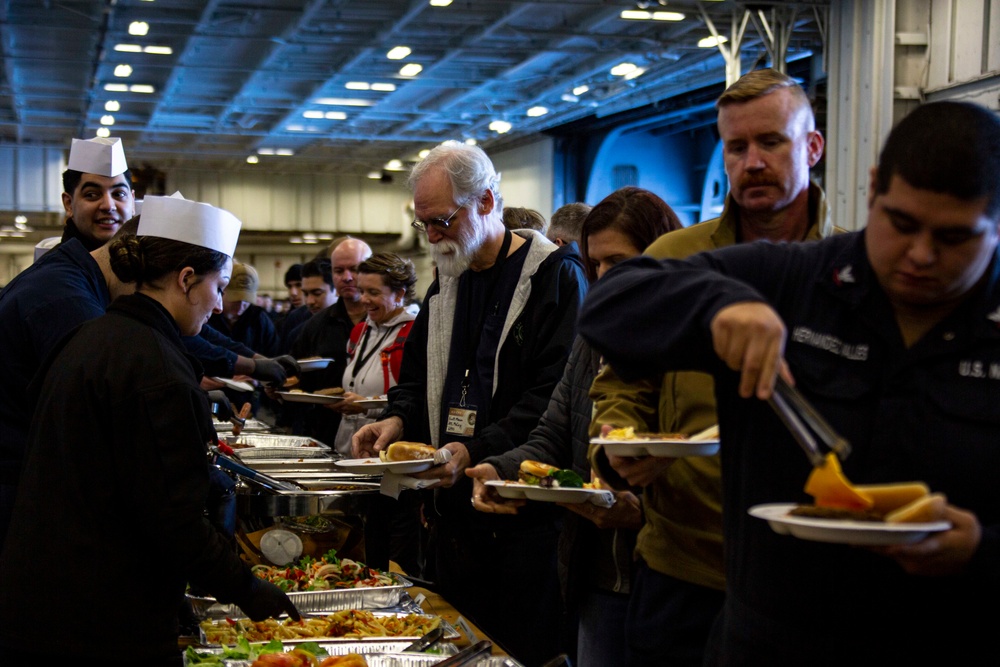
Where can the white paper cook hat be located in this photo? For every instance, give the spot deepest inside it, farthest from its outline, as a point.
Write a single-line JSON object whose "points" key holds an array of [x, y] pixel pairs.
{"points": [[192, 222], [103, 156]]}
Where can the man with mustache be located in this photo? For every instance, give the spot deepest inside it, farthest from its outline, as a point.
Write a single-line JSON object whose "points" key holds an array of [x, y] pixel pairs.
{"points": [[481, 361], [769, 141]]}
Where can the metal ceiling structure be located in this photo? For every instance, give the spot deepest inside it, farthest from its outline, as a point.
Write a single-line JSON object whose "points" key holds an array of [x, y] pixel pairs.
{"points": [[312, 77]]}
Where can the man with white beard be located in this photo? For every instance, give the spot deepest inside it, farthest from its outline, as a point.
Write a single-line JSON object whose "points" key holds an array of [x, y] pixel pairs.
{"points": [[479, 366]]}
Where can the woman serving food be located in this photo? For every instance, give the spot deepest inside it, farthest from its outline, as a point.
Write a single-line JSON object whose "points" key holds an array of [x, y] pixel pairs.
{"points": [[116, 463]]}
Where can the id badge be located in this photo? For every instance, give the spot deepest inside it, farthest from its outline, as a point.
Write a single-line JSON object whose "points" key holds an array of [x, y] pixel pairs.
{"points": [[461, 421]]}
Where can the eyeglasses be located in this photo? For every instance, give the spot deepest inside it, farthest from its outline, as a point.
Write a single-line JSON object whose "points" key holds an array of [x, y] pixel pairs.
{"points": [[440, 223]]}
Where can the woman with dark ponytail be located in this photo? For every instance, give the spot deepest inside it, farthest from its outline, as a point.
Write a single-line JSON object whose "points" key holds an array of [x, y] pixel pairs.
{"points": [[115, 479]]}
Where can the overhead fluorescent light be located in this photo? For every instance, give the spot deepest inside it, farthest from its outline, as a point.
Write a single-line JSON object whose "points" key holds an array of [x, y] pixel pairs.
{"points": [[128, 48], [116, 87], [580, 90], [103, 132], [398, 52], [566, 97], [284, 151], [335, 115], [500, 126], [534, 112], [471, 142], [123, 71], [112, 105], [424, 153], [265, 151], [621, 69], [344, 102], [410, 69], [138, 28], [711, 41], [384, 87], [275, 151], [637, 72], [142, 88], [158, 50], [395, 165], [312, 114], [375, 175], [440, 3], [357, 85], [107, 120], [252, 159], [639, 15]]}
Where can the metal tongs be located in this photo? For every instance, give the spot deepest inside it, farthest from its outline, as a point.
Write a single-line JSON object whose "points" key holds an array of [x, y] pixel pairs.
{"points": [[806, 424], [468, 655], [425, 642]]}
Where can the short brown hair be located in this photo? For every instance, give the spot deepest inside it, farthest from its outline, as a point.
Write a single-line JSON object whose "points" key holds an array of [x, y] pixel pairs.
{"points": [[397, 272], [758, 83]]}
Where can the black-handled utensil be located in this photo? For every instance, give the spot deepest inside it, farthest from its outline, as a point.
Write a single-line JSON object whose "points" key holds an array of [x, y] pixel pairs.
{"points": [[426, 641], [468, 654]]}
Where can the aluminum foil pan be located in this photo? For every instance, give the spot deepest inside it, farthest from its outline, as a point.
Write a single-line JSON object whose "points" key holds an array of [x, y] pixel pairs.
{"points": [[251, 426], [339, 599], [252, 446], [390, 655], [449, 633]]}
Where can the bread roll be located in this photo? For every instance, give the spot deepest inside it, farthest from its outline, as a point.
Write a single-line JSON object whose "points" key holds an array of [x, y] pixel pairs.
{"points": [[407, 451], [330, 391], [889, 497], [923, 510]]}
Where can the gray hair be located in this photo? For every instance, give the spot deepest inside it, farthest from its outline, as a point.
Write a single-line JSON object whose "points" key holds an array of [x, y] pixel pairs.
{"points": [[469, 169]]}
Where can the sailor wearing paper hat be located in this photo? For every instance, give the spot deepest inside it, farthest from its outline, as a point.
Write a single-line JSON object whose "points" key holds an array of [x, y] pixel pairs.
{"points": [[123, 389], [97, 191]]}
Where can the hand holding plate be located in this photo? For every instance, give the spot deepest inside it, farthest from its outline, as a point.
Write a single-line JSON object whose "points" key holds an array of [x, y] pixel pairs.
{"points": [[484, 498], [448, 474], [641, 471], [940, 554]]}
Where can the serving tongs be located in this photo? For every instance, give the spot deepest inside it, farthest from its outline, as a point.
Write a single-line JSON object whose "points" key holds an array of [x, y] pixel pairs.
{"points": [[468, 655], [425, 642], [229, 462], [806, 424]]}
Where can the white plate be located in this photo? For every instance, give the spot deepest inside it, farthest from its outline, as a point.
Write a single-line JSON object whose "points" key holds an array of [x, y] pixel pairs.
{"points": [[313, 364], [305, 397], [235, 384], [374, 466], [370, 403], [843, 531], [669, 448], [559, 494]]}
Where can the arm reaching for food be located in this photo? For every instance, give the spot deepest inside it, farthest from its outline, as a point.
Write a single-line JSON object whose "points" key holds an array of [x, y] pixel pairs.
{"points": [[373, 438], [750, 337], [348, 405]]}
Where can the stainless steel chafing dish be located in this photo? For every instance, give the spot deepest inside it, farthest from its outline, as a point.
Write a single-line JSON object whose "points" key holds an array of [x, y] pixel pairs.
{"points": [[324, 506]]}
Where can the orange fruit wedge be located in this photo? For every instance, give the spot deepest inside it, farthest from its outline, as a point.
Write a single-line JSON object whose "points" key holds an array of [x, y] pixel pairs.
{"points": [[828, 486]]}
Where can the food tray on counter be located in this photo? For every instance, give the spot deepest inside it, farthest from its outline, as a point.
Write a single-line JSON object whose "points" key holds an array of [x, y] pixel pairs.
{"points": [[389, 654], [251, 426], [336, 599], [449, 630], [252, 446]]}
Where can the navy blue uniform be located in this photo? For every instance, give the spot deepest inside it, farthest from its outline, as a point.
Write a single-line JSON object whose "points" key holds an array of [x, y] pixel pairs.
{"points": [[115, 475], [930, 412]]}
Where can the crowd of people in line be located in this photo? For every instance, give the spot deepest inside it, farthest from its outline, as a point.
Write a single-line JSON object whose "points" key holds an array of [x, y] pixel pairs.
{"points": [[535, 337]]}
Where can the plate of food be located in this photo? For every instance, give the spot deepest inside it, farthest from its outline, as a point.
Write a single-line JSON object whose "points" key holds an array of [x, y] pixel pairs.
{"points": [[627, 442], [373, 402], [400, 457], [864, 514], [553, 494], [319, 397], [236, 385], [548, 483], [841, 528], [348, 625], [313, 363]]}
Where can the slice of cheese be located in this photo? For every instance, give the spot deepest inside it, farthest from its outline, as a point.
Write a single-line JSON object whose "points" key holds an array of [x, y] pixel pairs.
{"points": [[828, 486], [888, 497]]}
